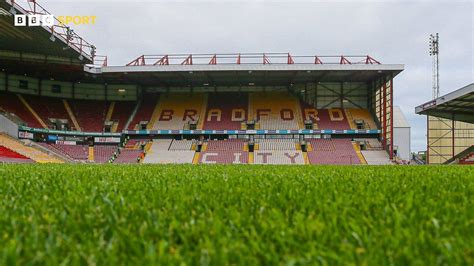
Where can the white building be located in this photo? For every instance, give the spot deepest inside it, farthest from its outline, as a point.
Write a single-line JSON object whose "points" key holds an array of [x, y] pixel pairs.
{"points": [[401, 134]]}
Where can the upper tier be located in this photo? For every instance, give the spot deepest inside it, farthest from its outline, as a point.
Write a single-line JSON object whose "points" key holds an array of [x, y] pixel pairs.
{"points": [[179, 111]]}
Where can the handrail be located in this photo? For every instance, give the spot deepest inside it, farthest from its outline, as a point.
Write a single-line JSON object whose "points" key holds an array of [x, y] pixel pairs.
{"points": [[249, 58], [58, 30], [460, 155]]}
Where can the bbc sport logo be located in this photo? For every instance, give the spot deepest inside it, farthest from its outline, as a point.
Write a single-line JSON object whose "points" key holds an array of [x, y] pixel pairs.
{"points": [[34, 20], [48, 20]]}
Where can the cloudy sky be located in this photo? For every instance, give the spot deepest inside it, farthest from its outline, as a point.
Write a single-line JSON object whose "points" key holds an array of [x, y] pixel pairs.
{"points": [[390, 31]]}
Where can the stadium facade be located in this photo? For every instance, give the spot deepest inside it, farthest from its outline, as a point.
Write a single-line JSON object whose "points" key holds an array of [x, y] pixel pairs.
{"points": [[450, 127], [66, 103]]}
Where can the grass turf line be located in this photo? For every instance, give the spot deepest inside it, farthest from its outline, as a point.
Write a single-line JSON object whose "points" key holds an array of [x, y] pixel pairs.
{"points": [[214, 214]]}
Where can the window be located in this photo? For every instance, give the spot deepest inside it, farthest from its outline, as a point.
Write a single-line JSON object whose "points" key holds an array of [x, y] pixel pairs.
{"points": [[56, 88], [23, 84]]}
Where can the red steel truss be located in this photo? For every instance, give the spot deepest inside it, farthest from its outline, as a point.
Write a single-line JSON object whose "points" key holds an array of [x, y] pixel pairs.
{"points": [[58, 30], [248, 58]]}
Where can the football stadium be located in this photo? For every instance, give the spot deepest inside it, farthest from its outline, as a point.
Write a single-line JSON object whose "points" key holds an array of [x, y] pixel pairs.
{"points": [[261, 108], [221, 158]]}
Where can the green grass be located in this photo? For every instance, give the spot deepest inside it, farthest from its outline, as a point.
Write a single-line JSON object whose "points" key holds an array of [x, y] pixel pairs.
{"points": [[109, 215]]}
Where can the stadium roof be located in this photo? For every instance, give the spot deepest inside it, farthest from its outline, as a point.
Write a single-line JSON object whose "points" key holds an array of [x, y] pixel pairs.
{"points": [[246, 69], [457, 105], [51, 43]]}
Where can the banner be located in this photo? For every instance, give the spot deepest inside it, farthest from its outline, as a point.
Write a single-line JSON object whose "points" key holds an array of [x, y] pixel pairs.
{"points": [[65, 142], [25, 135], [106, 140]]}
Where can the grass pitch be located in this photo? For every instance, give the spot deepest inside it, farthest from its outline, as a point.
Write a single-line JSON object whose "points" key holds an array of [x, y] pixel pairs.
{"points": [[214, 215]]}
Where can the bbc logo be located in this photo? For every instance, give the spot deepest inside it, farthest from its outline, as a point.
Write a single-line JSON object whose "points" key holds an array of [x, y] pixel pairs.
{"points": [[34, 20]]}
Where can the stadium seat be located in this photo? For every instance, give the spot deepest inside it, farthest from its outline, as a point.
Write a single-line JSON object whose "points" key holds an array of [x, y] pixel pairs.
{"points": [[181, 145], [160, 153], [103, 153], [370, 143], [361, 115], [332, 151], [27, 151], [175, 110], [89, 114], [226, 111], [47, 107], [229, 151], [78, 153], [9, 156], [224, 157], [145, 110], [277, 151], [128, 156], [276, 144], [226, 145], [131, 152], [328, 119], [469, 159], [121, 113], [12, 104], [275, 110]]}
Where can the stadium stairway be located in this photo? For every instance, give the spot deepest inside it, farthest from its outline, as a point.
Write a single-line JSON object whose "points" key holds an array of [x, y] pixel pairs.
{"points": [[196, 158], [30, 109], [202, 112], [46, 149], [91, 154], [110, 111], [47, 107], [146, 111], [251, 158], [27, 151], [132, 115], [359, 153], [132, 151], [121, 114], [103, 153], [71, 115]]}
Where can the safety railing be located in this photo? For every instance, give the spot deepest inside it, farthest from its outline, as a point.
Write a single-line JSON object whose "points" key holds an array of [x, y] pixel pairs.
{"points": [[248, 58], [58, 30]]}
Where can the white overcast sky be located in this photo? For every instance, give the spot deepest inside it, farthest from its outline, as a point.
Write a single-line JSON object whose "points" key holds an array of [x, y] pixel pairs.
{"points": [[390, 31]]}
